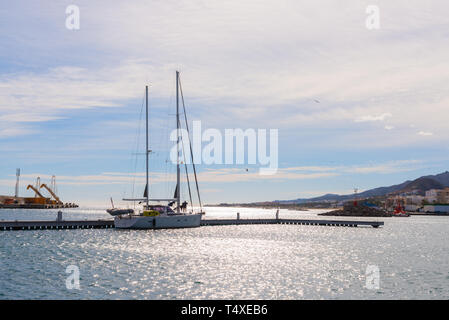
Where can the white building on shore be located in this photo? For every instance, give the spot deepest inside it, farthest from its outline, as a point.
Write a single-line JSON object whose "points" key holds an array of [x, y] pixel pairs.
{"points": [[440, 196]]}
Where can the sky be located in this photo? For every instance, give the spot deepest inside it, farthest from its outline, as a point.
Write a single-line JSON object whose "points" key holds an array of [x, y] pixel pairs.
{"points": [[354, 107]]}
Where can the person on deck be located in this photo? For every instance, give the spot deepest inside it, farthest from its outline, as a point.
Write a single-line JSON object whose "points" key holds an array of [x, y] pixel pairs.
{"points": [[184, 206]]}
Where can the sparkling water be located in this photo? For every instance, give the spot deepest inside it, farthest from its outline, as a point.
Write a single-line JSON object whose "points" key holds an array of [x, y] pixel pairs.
{"points": [[407, 258]]}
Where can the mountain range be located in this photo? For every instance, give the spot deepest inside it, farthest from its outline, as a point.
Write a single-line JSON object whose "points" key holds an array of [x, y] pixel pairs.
{"points": [[421, 185]]}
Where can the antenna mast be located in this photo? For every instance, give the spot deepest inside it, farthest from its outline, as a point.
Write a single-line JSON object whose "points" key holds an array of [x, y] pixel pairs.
{"points": [[17, 182], [53, 184]]}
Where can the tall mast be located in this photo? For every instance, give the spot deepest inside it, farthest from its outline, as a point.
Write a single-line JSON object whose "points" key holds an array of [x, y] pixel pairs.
{"points": [[147, 149], [178, 200]]}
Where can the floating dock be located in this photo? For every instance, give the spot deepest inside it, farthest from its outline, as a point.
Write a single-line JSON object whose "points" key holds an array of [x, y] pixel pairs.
{"points": [[308, 222], [103, 224], [56, 225]]}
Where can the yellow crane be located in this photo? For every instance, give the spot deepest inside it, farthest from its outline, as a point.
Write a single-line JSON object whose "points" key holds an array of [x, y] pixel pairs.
{"points": [[35, 190], [51, 192]]}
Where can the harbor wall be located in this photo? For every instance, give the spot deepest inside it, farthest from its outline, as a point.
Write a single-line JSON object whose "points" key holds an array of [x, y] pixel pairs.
{"points": [[436, 208]]}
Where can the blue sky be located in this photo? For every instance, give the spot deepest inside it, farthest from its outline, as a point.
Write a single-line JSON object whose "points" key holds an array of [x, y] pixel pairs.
{"points": [[70, 100]]}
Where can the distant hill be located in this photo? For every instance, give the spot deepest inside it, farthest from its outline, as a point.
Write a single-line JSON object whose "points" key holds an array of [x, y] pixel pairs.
{"points": [[442, 178], [421, 184]]}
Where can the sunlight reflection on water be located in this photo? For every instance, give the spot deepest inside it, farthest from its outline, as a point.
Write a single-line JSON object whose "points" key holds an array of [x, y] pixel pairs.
{"points": [[226, 262]]}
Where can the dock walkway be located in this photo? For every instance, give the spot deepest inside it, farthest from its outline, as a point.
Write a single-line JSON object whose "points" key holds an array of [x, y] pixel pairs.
{"points": [[57, 225], [102, 224], [311, 222]]}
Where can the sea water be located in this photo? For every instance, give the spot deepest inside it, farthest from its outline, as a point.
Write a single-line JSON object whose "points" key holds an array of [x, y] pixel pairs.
{"points": [[409, 256]]}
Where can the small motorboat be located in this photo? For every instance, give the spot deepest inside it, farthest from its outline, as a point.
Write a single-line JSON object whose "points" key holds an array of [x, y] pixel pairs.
{"points": [[401, 215], [117, 211]]}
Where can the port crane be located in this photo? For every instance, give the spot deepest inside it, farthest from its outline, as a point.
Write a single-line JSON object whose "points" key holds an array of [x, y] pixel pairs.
{"points": [[52, 193], [35, 190], [38, 200]]}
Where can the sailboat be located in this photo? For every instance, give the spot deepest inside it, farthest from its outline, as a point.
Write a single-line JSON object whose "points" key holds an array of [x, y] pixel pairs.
{"points": [[160, 216]]}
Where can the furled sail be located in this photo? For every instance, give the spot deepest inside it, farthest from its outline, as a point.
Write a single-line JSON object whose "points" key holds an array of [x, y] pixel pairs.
{"points": [[175, 196], [145, 193]]}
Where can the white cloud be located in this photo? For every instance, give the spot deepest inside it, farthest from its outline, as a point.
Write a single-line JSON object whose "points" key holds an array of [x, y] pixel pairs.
{"points": [[11, 132], [27, 117], [425, 133], [206, 176], [311, 168], [255, 62], [34, 97], [224, 175], [386, 168], [370, 118]]}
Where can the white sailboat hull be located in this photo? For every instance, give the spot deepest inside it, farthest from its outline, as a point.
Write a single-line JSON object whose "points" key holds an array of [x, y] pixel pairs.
{"points": [[158, 222]]}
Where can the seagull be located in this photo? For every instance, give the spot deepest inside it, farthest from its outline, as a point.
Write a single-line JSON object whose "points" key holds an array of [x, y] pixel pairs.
{"points": [[316, 100]]}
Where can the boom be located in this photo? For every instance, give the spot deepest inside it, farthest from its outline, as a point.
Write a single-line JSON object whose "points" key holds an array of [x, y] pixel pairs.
{"points": [[35, 190], [51, 192]]}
